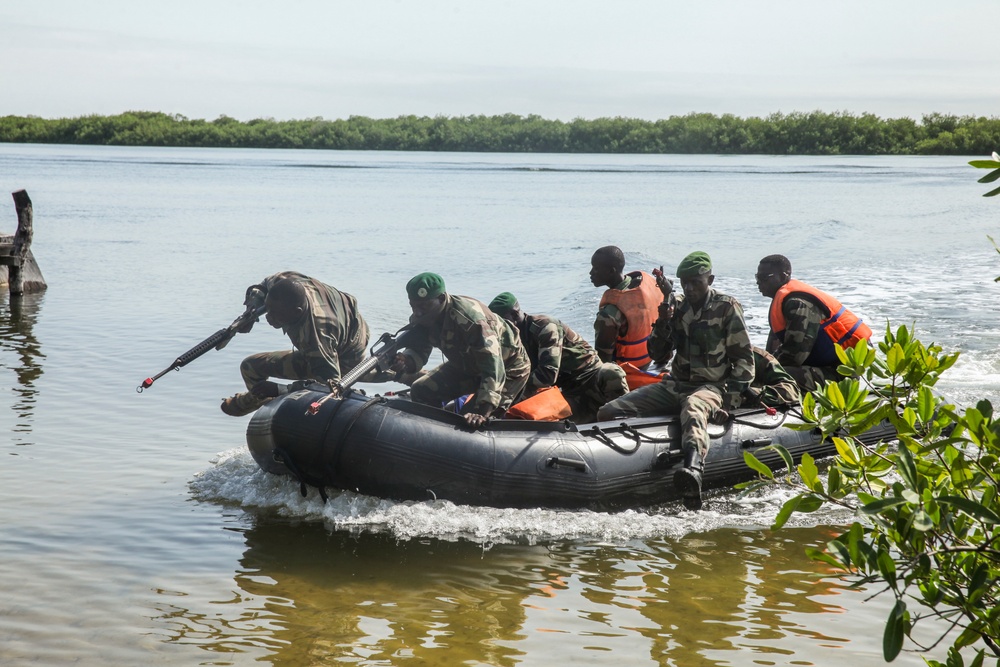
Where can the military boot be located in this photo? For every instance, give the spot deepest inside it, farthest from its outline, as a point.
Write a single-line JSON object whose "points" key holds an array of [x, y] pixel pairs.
{"points": [[242, 404], [687, 480]]}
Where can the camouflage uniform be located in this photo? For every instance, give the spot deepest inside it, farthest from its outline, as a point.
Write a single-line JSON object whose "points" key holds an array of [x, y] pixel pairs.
{"points": [[711, 369], [772, 385], [330, 339], [802, 322], [561, 357], [484, 356]]}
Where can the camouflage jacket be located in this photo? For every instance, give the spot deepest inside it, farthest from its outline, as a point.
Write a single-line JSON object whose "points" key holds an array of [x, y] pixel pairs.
{"points": [[711, 346], [772, 385], [802, 320], [479, 341], [331, 328], [558, 355]]}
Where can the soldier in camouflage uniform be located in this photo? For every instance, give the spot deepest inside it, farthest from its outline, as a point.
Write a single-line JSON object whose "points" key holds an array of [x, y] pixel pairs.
{"points": [[483, 352], [561, 358], [326, 329], [711, 369], [799, 347]]}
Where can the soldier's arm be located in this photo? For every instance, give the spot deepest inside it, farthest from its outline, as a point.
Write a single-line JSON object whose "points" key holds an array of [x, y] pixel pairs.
{"points": [[739, 352], [802, 320], [609, 322], [419, 349], [550, 350], [484, 346]]}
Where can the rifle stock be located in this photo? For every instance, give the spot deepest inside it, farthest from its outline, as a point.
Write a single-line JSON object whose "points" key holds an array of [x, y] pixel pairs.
{"points": [[216, 341]]}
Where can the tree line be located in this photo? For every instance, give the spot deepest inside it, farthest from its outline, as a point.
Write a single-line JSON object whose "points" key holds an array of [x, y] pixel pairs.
{"points": [[813, 133]]}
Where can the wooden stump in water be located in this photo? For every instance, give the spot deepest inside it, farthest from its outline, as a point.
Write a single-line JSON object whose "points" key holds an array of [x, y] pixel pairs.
{"points": [[18, 268]]}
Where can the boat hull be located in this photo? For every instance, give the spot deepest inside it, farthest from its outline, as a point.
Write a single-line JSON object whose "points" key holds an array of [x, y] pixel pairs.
{"points": [[393, 448]]}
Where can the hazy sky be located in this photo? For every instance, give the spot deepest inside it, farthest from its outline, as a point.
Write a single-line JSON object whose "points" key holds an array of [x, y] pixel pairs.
{"points": [[556, 58]]}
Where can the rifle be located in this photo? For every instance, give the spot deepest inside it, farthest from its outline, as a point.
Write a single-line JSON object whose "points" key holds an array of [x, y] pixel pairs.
{"points": [[217, 341], [383, 353]]}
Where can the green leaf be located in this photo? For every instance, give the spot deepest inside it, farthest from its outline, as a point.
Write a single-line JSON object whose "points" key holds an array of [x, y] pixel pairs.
{"points": [[783, 453], [990, 177], [922, 521], [984, 164], [894, 358], [785, 512], [754, 463], [907, 469], [925, 404], [895, 630], [878, 506], [816, 554], [992, 193], [809, 472], [809, 503], [971, 507]]}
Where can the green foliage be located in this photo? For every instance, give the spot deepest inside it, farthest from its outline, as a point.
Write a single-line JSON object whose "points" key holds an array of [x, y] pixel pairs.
{"points": [[927, 505], [813, 133], [994, 175]]}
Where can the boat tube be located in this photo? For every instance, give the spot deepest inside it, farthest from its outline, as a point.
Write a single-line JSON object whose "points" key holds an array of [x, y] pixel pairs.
{"points": [[390, 447]]}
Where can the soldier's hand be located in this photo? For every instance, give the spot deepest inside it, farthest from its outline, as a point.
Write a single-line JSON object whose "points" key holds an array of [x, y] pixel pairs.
{"points": [[474, 420], [666, 309], [665, 284], [719, 417], [403, 364]]}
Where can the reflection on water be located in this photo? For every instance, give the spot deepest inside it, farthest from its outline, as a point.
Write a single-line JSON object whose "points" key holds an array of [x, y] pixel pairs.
{"points": [[304, 595], [21, 353]]}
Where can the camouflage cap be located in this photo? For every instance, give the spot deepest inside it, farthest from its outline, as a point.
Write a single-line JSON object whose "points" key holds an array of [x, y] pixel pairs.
{"points": [[503, 303], [425, 286], [694, 264]]}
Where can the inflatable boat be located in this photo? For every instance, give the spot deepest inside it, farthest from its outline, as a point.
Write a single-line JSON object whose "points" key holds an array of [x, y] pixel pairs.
{"points": [[390, 447]]}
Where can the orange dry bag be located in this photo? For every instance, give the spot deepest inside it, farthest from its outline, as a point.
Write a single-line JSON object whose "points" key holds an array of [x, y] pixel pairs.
{"points": [[548, 405], [636, 377]]}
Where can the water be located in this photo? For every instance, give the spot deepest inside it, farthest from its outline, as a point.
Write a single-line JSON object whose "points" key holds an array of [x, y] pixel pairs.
{"points": [[136, 528]]}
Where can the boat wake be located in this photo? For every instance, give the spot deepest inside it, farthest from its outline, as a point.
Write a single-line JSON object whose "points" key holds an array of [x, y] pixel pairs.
{"points": [[235, 478]]}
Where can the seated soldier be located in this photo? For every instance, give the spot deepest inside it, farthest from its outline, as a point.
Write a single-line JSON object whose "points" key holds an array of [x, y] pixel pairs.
{"points": [[483, 352], [561, 358], [627, 311]]}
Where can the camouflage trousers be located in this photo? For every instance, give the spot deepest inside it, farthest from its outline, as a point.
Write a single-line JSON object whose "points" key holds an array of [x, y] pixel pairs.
{"points": [[695, 403], [287, 365], [448, 382], [811, 378], [593, 389]]}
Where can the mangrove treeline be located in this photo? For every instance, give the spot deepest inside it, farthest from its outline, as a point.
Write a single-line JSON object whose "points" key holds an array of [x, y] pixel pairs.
{"points": [[815, 133]]}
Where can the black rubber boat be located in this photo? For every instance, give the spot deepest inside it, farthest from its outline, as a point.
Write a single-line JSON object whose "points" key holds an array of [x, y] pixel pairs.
{"points": [[390, 447]]}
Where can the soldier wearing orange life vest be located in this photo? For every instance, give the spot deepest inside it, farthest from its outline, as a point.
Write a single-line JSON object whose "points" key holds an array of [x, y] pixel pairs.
{"points": [[627, 311], [806, 323]]}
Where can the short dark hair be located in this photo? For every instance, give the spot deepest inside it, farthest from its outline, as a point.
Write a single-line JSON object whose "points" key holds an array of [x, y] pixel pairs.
{"points": [[288, 291], [612, 255], [779, 262]]}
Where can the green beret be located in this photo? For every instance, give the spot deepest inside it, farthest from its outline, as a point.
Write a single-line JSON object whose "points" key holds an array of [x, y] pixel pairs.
{"points": [[425, 286], [504, 302], [694, 264]]}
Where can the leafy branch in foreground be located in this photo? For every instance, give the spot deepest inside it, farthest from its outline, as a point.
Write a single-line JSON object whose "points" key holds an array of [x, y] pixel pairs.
{"points": [[994, 175], [927, 507]]}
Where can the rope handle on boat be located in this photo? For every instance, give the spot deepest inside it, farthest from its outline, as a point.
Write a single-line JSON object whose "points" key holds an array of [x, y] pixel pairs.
{"points": [[598, 433], [282, 457]]}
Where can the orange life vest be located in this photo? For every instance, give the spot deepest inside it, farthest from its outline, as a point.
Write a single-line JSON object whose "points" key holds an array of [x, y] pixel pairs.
{"points": [[639, 306], [840, 326]]}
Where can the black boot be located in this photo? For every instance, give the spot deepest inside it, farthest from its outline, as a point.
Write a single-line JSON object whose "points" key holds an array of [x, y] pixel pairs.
{"points": [[687, 480]]}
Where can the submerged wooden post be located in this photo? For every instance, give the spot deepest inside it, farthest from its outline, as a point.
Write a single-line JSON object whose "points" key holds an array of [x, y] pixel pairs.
{"points": [[15, 251]]}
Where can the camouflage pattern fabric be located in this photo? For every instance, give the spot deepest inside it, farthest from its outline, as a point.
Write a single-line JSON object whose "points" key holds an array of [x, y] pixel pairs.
{"points": [[712, 366], [695, 404], [484, 356], [610, 322], [330, 339], [561, 357], [711, 346], [772, 385], [802, 322]]}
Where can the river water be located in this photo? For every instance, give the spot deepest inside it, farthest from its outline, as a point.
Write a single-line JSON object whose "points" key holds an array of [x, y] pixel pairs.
{"points": [[136, 528]]}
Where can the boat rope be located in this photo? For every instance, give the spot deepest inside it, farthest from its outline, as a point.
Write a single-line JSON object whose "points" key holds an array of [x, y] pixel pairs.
{"points": [[745, 422], [598, 433]]}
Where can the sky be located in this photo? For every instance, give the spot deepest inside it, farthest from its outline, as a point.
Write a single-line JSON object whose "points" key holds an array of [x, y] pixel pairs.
{"points": [[560, 59]]}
